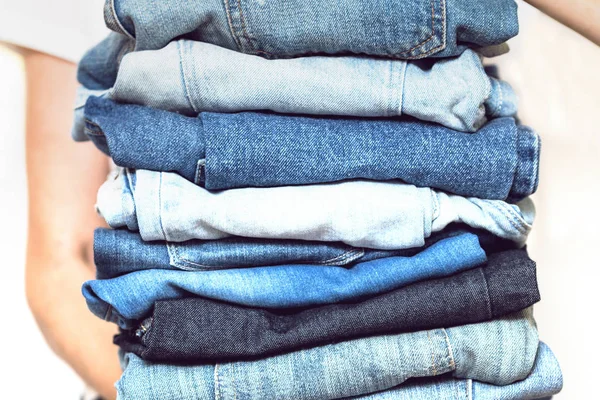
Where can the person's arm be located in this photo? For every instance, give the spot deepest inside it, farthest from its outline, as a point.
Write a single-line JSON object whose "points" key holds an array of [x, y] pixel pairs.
{"points": [[582, 16], [63, 178]]}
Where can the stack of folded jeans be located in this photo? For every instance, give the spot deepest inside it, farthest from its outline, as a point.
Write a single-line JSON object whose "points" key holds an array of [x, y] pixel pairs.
{"points": [[314, 201]]}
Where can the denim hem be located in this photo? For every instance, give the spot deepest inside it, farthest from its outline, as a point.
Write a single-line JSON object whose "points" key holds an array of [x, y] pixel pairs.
{"points": [[527, 172], [112, 21], [148, 196]]}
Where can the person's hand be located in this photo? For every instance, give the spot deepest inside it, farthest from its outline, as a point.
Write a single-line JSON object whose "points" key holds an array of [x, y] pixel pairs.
{"points": [[582, 16], [63, 178]]}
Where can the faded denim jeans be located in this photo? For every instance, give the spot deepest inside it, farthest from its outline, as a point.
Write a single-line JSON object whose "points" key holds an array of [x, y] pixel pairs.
{"points": [[544, 381], [130, 297], [192, 77], [499, 352], [379, 215], [287, 28], [249, 149]]}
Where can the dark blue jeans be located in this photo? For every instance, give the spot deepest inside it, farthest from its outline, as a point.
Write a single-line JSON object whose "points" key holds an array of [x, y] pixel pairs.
{"points": [[222, 151]]}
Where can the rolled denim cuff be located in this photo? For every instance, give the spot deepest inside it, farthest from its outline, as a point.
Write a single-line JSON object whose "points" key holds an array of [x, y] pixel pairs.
{"points": [[116, 202], [511, 287], [502, 101], [117, 252], [528, 158], [78, 129]]}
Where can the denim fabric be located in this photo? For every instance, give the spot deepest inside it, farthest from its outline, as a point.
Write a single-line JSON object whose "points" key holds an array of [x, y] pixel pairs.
{"points": [[380, 215], [118, 252], [202, 330], [544, 380], [192, 77], [132, 296], [280, 29], [499, 352], [223, 151]]}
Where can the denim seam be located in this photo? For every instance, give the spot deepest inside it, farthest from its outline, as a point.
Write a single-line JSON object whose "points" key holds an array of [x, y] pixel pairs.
{"points": [[230, 23], [469, 389], [118, 22], [443, 3], [217, 383], [488, 299], [433, 367], [245, 31], [512, 217], [183, 78], [160, 206], [402, 87], [452, 363], [347, 256], [233, 381], [200, 175]]}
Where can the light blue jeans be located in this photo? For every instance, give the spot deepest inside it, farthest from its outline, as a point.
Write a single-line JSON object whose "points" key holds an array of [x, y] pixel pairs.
{"points": [[380, 215], [499, 352], [545, 380], [130, 297], [192, 77]]}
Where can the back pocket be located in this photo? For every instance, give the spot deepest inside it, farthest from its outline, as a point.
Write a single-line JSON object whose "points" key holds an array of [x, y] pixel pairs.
{"points": [[407, 29]]}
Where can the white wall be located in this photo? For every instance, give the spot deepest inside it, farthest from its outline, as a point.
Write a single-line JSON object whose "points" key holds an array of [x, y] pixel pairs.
{"points": [[557, 75]]}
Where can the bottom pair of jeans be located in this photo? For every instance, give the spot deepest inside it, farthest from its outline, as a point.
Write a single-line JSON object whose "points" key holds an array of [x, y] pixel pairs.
{"points": [[544, 380], [499, 352]]}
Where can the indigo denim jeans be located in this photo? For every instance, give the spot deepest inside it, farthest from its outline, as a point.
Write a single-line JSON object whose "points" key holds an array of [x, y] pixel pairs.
{"points": [[223, 151]]}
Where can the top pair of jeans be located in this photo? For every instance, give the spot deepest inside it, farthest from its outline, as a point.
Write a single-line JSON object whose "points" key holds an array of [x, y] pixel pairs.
{"points": [[379, 215], [199, 330], [119, 251], [545, 380], [223, 151], [404, 29], [130, 297], [499, 352], [192, 77]]}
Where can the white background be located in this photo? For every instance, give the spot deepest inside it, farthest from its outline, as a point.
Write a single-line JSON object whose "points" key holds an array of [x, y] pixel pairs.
{"points": [[557, 76]]}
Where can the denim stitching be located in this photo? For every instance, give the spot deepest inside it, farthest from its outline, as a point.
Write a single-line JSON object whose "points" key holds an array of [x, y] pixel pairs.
{"points": [[487, 293], [453, 364], [441, 46], [401, 96], [433, 367], [245, 32], [230, 23], [160, 207], [183, 78], [344, 257], [233, 381], [469, 389], [217, 383], [118, 22], [515, 220]]}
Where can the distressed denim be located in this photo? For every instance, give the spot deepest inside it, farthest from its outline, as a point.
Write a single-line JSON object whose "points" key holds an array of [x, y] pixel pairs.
{"points": [[223, 151], [544, 380], [119, 251], [379, 215], [132, 296], [192, 77], [499, 352], [281, 29], [200, 330]]}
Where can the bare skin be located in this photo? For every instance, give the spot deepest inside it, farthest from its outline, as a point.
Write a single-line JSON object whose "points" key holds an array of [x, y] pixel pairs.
{"points": [[63, 178], [583, 16]]}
